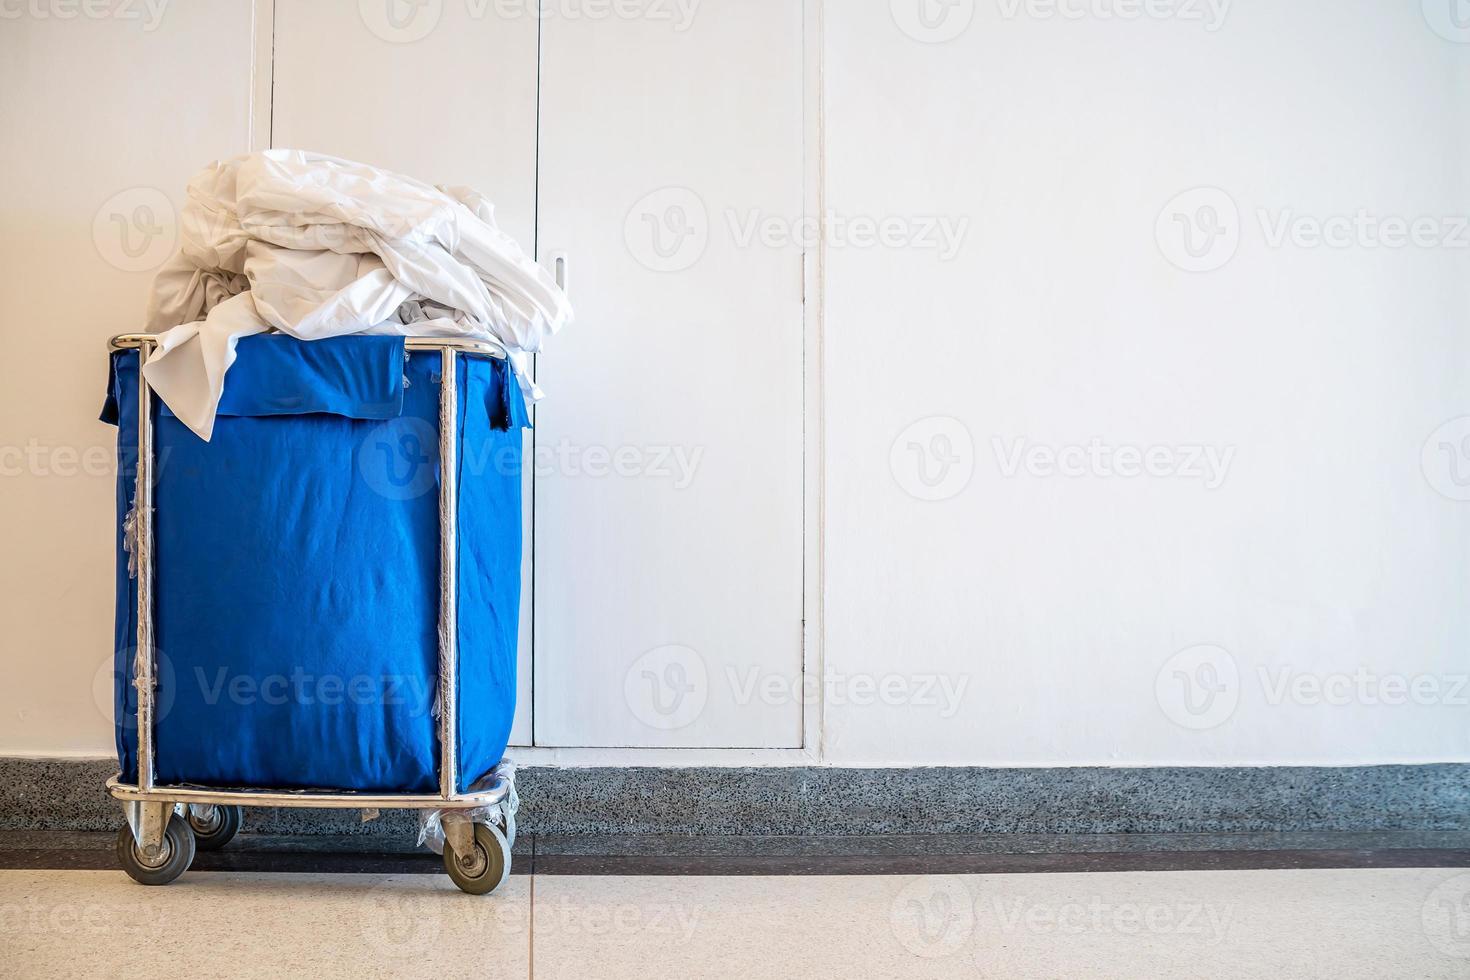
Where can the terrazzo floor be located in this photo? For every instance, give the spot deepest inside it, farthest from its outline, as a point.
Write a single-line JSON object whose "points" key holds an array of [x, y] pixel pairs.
{"points": [[1338, 923]]}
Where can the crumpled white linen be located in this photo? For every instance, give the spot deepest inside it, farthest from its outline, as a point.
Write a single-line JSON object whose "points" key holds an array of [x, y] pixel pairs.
{"points": [[315, 246]]}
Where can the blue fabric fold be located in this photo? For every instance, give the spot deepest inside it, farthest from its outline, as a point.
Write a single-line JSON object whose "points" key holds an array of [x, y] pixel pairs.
{"points": [[354, 377]]}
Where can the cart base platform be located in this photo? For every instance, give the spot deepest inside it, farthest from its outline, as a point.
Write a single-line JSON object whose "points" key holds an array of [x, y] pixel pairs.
{"points": [[166, 824]]}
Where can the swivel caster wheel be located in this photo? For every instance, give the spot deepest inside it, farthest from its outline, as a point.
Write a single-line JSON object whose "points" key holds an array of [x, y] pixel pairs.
{"points": [[485, 866], [175, 853], [214, 826], [510, 830]]}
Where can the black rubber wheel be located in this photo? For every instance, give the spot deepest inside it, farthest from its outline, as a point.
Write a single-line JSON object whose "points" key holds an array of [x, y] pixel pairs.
{"points": [[214, 826], [510, 830], [486, 867], [173, 858]]}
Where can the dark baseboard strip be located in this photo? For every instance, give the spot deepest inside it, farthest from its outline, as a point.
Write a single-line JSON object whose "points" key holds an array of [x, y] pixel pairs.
{"points": [[778, 856], [821, 802], [78, 851], [290, 862], [974, 864]]}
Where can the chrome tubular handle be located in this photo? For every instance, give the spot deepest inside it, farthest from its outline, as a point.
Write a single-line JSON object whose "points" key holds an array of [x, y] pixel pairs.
{"points": [[464, 345]]}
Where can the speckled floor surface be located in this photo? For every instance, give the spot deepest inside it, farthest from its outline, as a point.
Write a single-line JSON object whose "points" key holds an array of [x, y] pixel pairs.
{"points": [[804, 801], [1277, 924]]}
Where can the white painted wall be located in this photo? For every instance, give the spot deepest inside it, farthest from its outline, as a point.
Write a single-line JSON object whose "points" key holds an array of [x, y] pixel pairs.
{"points": [[1322, 371], [105, 119], [1021, 619]]}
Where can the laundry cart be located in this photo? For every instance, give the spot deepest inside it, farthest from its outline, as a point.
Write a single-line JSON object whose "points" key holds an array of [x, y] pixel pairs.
{"points": [[319, 606]]}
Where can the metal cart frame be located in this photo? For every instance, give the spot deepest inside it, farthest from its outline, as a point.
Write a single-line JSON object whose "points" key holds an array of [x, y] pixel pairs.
{"points": [[148, 806]]}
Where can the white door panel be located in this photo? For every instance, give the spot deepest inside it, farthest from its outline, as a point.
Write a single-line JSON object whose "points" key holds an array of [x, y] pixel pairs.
{"points": [[669, 469], [444, 93]]}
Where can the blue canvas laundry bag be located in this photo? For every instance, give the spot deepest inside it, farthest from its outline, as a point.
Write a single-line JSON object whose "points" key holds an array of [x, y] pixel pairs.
{"points": [[296, 570]]}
